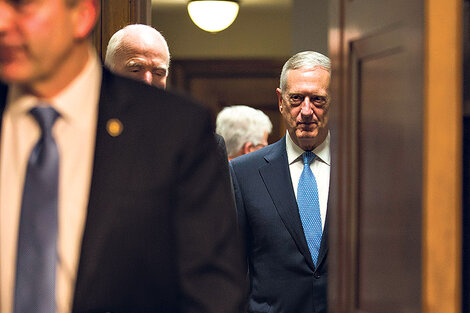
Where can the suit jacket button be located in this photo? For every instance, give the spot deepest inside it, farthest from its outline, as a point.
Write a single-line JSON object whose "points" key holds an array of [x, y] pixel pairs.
{"points": [[316, 276]]}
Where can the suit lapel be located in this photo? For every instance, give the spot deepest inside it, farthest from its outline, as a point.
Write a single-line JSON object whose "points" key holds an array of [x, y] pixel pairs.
{"points": [[274, 174]]}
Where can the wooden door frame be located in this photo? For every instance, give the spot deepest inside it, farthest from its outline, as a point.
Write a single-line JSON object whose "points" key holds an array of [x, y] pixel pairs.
{"points": [[442, 211], [115, 14]]}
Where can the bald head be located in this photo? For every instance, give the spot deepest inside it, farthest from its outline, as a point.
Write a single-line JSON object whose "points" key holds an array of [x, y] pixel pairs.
{"points": [[140, 52]]}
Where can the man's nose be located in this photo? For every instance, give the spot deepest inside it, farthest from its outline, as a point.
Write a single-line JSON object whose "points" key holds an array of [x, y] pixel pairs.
{"points": [[306, 107], [148, 77], [6, 16]]}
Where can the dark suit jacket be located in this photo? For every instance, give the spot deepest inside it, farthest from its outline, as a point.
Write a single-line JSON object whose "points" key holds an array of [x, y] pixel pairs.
{"points": [[160, 233], [282, 275], [222, 148]]}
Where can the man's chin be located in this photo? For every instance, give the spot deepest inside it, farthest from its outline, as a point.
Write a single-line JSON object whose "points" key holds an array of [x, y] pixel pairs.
{"points": [[309, 140], [9, 75], [21, 75], [307, 134]]}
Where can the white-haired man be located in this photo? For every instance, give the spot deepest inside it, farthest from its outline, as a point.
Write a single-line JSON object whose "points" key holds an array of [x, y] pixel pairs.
{"points": [[141, 52], [244, 129]]}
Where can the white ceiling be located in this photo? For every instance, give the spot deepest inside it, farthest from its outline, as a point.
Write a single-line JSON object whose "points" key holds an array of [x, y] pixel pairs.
{"points": [[248, 3]]}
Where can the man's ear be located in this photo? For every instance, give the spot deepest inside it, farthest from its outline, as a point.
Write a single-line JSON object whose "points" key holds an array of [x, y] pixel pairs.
{"points": [[279, 99], [247, 147], [85, 15]]}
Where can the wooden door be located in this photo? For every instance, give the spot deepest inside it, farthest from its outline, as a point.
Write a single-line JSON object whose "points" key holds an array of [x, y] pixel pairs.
{"points": [[115, 14], [220, 83], [396, 168]]}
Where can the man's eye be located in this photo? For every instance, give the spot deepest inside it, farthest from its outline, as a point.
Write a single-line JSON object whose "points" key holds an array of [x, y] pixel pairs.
{"points": [[159, 73], [319, 100], [296, 99]]}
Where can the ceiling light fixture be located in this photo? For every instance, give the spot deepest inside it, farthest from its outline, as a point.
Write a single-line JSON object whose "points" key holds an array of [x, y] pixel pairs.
{"points": [[213, 15]]}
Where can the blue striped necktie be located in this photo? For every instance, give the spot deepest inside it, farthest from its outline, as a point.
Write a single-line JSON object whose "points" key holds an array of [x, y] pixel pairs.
{"points": [[37, 239], [309, 206]]}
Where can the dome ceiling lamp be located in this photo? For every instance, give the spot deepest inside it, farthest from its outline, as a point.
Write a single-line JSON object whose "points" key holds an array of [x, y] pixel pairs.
{"points": [[213, 15]]}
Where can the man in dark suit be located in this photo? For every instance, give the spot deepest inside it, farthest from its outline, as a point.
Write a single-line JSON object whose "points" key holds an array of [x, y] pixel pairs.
{"points": [[281, 207], [143, 206]]}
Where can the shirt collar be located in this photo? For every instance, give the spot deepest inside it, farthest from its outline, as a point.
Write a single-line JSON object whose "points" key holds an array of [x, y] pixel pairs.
{"points": [[294, 152]]}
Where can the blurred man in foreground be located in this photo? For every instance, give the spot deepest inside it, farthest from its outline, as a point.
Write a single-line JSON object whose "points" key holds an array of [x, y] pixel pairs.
{"points": [[112, 195]]}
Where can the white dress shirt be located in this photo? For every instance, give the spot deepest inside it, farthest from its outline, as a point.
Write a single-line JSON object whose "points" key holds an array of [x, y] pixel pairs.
{"points": [[74, 132], [320, 168]]}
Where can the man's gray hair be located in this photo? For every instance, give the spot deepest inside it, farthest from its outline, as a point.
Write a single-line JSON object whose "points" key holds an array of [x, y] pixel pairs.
{"points": [[240, 124], [305, 59], [115, 43]]}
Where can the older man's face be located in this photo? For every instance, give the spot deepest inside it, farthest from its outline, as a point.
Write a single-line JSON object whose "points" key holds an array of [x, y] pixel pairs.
{"points": [[36, 40], [144, 58], [304, 106]]}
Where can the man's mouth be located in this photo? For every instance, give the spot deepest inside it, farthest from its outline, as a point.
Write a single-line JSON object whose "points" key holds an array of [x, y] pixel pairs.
{"points": [[307, 124], [8, 53]]}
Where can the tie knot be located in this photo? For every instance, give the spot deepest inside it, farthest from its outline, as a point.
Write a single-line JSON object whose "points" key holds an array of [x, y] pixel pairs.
{"points": [[308, 157], [45, 116]]}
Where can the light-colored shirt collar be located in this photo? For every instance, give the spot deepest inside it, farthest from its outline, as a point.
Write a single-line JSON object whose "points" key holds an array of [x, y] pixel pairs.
{"points": [[19, 102], [294, 152]]}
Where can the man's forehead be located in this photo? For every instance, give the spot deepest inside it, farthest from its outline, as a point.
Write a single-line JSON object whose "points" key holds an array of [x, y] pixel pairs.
{"points": [[313, 82], [316, 72], [133, 47], [317, 69], [144, 41]]}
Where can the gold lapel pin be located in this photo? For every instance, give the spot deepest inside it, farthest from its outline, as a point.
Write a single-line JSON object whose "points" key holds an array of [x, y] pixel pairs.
{"points": [[114, 127]]}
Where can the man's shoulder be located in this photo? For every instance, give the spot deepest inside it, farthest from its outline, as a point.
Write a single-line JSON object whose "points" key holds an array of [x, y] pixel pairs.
{"points": [[261, 156], [126, 91], [221, 145]]}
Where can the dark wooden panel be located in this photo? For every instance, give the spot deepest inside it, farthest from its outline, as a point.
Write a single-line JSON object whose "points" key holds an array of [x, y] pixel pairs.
{"points": [[256, 92], [220, 83], [389, 180], [377, 120]]}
